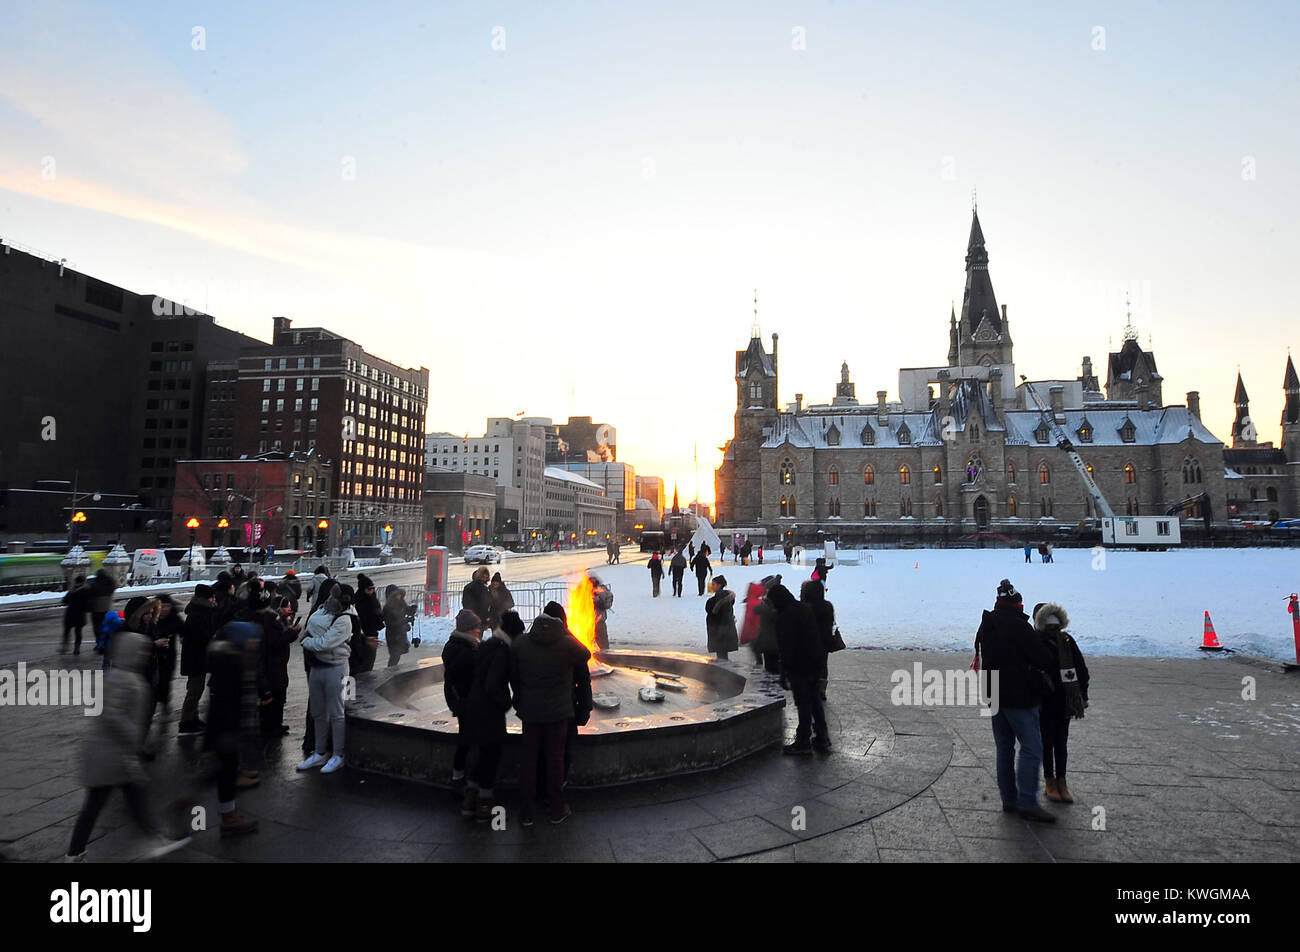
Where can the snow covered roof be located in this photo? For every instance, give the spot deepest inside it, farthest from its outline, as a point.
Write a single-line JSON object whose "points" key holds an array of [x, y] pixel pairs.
{"points": [[553, 472], [1150, 427], [812, 431]]}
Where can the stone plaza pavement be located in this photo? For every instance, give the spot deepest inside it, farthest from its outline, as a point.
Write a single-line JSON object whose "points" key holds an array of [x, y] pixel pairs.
{"points": [[1171, 764]]}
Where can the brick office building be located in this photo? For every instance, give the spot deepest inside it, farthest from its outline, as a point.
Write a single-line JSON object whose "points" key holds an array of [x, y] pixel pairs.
{"points": [[314, 390]]}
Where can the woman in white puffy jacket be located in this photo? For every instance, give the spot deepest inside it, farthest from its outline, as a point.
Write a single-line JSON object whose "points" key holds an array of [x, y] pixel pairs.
{"points": [[326, 647]]}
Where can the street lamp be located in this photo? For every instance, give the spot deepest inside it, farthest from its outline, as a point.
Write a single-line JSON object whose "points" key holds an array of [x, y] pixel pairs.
{"points": [[193, 525], [322, 528]]}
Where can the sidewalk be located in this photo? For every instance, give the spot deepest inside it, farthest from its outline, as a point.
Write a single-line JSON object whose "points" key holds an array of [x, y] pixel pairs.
{"points": [[1171, 764]]}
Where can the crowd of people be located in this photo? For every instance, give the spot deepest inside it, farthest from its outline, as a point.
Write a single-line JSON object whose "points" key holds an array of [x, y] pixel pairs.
{"points": [[235, 637]]}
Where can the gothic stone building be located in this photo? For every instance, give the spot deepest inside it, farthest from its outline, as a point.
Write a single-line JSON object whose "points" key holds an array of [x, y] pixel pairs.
{"points": [[964, 448]]}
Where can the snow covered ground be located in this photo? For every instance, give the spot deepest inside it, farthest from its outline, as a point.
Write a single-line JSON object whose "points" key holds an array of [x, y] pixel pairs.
{"points": [[1135, 603]]}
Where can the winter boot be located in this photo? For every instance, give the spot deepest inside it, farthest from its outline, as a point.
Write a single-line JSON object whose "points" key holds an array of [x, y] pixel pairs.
{"points": [[235, 823], [469, 805], [1038, 814], [1050, 788], [1063, 792]]}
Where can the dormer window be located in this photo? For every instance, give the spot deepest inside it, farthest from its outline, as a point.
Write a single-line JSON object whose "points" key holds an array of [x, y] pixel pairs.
{"points": [[868, 435], [904, 435], [1041, 433], [833, 436], [1085, 431], [1128, 432]]}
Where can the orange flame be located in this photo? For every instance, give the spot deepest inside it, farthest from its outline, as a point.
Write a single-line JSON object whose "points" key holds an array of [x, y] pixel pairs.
{"points": [[582, 615]]}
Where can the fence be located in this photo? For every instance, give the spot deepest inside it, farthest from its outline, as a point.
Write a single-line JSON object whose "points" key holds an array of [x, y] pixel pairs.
{"points": [[530, 598]]}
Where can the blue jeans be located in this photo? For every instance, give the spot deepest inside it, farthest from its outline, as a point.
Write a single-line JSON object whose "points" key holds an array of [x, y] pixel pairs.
{"points": [[1012, 725]]}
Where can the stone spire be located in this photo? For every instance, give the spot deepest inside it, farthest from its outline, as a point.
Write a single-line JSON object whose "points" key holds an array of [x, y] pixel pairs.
{"points": [[981, 337], [1243, 430], [1291, 385]]}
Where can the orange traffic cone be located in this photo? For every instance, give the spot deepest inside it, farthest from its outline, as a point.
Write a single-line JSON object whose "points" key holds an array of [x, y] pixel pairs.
{"points": [[1211, 640]]}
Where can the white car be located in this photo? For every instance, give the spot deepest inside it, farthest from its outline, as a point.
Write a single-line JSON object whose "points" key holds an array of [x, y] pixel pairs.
{"points": [[483, 553]]}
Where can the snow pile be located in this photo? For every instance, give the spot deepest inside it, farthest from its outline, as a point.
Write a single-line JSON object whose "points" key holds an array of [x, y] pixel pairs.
{"points": [[1148, 604]]}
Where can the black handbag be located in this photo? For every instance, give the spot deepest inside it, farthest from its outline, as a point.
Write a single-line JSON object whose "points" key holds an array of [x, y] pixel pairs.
{"points": [[836, 642]]}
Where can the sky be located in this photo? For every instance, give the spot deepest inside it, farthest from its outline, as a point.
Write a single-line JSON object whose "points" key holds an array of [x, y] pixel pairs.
{"points": [[568, 210]]}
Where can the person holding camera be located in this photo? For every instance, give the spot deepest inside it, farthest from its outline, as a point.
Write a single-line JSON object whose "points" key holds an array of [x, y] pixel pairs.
{"points": [[398, 619]]}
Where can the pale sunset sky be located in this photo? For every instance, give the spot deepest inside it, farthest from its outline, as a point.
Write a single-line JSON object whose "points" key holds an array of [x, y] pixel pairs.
{"points": [[566, 208]]}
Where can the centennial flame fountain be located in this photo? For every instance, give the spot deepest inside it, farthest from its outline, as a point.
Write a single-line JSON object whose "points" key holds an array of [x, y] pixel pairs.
{"points": [[657, 714]]}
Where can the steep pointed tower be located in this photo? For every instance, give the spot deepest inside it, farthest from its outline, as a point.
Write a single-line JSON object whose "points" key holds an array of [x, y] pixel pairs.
{"points": [[845, 391], [1243, 428], [739, 485], [982, 335], [1291, 414]]}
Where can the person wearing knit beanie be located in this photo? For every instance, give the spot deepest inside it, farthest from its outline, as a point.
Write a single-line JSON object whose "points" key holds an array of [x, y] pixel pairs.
{"points": [[459, 656], [512, 624], [468, 621]]}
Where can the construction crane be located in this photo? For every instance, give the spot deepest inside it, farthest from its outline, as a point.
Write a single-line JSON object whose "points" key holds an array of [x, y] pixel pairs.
{"points": [[1158, 531], [1063, 443]]}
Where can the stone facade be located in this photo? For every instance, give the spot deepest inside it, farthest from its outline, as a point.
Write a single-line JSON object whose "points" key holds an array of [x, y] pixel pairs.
{"points": [[965, 450]]}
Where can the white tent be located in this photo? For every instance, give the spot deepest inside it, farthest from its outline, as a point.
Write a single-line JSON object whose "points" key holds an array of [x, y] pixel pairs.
{"points": [[705, 535]]}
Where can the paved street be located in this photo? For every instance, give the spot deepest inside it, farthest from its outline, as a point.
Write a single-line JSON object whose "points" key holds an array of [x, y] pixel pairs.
{"points": [[1171, 763]]}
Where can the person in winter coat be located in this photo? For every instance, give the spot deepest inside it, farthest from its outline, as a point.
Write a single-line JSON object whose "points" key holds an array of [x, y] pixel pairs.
{"points": [[603, 601], [656, 573], [802, 657], [486, 706], [813, 594], [459, 656], [677, 567], [396, 624], [111, 756], [501, 601], [200, 625], [278, 635], [1067, 700], [327, 588], [476, 596], [1007, 644], [328, 640], [102, 587], [1029, 550], [313, 590], [227, 605], [76, 604], [167, 626], [290, 588], [113, 622], [788, 551], [720, 619], [820, 571], [766, 650], [232, 726], [370, 615], [702, 567], [542, 674]]}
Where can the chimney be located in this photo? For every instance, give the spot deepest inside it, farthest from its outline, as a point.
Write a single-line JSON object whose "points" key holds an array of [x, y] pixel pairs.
{"points": [[280, 326], [1194, 403], [775, 338], [798, 403], [1057, 395], [945, 403], [995, 389], [881, 414]]}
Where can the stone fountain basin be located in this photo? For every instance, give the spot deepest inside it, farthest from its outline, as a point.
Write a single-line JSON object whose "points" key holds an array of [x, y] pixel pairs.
{"points": [[399, 725]]}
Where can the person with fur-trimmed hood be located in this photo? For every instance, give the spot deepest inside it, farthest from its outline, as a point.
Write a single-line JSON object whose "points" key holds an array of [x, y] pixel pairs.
{"points": [[1007, 644], [1067, 700], [720, 619], [489, 700]]}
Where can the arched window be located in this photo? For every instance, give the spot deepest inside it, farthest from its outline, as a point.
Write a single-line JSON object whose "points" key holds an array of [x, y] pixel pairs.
{"points": [[904, 475], [833, 507], [869, 476], [833, 476], [1130, 474], [787, 506], [905, 506], [787, 472], [1271, 493], [938, 473], [869, 509], [974, 432], [1044, 473], [1011, 506], [755, 391], [938, 505], [974, 467], [1191, 471], [1011, 473], [1045, 507]]}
